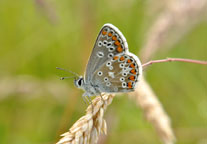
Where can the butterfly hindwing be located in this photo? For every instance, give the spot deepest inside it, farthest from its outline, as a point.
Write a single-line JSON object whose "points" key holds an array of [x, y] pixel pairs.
{"points": [[110, 42], [118, 74]]}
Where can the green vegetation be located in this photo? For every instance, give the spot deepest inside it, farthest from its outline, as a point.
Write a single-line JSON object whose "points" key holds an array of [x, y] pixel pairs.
{"points": [[37, 36]]}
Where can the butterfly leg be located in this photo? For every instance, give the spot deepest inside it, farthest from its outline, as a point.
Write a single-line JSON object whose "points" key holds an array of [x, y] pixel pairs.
{"points": [[87, 99], [90, 101], [98, 92], [102, 98]]}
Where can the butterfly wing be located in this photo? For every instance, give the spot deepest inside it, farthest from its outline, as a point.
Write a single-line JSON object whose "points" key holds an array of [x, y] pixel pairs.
{"points": [[118, 74], [110, 42]]}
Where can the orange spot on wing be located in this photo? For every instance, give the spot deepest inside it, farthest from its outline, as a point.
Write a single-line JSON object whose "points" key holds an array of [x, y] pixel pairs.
{"points": [[114, 38], [115, 58], [122, 58], [119, 49], [132, 65], [132, 78], [109, 34], [129, 84], [117, 43], [129, 61], [133, 71], [104, 32]]}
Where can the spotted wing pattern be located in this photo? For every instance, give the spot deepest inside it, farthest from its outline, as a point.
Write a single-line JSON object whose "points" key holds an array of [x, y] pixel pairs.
{"points": [[118, 74], [110, 42]]}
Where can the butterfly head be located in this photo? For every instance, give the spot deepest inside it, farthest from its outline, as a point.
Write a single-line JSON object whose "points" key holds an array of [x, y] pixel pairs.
{"points": [[79, 82]]}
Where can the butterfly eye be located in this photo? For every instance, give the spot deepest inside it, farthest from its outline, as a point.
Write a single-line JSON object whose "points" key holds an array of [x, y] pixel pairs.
{"points": [[100, 73], [80, 82]]}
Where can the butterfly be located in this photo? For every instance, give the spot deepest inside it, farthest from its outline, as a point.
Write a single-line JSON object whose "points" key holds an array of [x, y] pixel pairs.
{"points": [[111, 67]]}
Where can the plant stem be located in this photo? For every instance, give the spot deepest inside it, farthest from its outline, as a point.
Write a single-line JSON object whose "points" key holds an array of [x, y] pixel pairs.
{"points": [[175, 59]]}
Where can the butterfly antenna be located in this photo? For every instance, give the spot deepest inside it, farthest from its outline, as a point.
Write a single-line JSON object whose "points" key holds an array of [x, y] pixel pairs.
{"points": [[67, 71], [62, 78]]}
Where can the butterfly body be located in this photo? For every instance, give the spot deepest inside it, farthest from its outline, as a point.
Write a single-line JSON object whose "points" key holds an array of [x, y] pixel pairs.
{"points": [[111, 67], [89, 88]]}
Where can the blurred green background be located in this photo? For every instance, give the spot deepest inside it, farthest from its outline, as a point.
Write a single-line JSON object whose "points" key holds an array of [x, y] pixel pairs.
{"points": [[38, 35]]}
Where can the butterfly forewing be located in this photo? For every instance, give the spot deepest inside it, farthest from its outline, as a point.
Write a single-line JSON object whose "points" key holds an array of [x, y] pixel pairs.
{"points": [[110, 42], [118, 74]]}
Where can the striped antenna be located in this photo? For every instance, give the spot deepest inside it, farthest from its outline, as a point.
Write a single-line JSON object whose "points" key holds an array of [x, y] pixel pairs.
{"points": [[62, 78]]}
